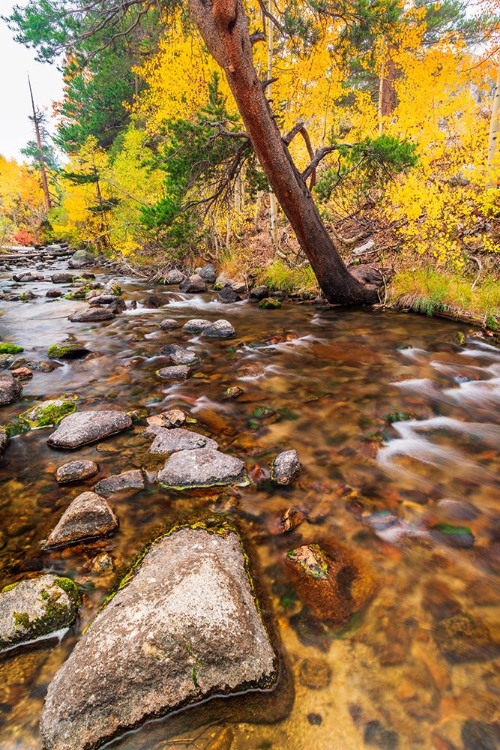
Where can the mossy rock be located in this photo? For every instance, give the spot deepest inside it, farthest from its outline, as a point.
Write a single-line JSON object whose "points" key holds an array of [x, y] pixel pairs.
{"points": [[77, 294], [36, 608], [48, 413], [67, 350], [8, 348], [268, 303]]}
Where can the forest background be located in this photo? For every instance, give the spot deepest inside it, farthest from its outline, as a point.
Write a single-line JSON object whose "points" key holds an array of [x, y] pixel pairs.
{"points": [[390, 110]]}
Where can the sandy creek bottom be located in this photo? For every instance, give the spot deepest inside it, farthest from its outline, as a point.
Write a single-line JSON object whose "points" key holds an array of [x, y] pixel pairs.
{"points": [[392, 416]]}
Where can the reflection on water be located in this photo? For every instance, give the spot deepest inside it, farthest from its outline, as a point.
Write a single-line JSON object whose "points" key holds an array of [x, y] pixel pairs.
{"points": [[397, 428]]}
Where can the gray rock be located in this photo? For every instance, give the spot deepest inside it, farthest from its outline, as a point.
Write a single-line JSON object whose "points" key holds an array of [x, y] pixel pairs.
{"points": [[87, 517], [176, 372], [174, 277], [185, 627], [168, 324], [53, 293], [80, 259], [91, 315], [62, 277], [154, 301], [193, 285], [127, 480], [178, 439], [36, 608], [259, 292], [221, 329], [227, 295], [4, 439], [10, 388], [87, 427], [75, 471], [204, 467], [196, 325], [208, 273], [286, 467]]}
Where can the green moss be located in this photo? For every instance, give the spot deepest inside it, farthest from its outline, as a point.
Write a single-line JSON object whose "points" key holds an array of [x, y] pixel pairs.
{"points": [[21, 619], [6, 348], [67, 349], [77, 294], [10, 587], [269, 303], [243, 482], [48, 413]]}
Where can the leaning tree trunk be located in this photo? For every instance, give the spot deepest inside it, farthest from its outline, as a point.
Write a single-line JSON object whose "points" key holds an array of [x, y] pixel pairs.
{"points": [[224, 27]]}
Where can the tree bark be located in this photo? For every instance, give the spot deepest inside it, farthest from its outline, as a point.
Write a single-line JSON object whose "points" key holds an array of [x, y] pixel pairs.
{"points": [[223, 26], [493, 134]]}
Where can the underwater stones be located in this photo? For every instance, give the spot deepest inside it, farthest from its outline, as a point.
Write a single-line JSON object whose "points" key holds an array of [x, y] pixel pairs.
{"points": [[127, 480], [286, 467], [92, 315], [76, 471], [10, 388], [315, 674], [178, 439], [62, 277], [196, 325], [221, 329], [48, 413], [169, 324], [87, 517], [203, 467], [68, 350], [35, 608], [175, 372], [463, 638], [184, 626], [452, 536], [179, 355], [193, 285], [329, 582], [154, 301], [87, 427]]}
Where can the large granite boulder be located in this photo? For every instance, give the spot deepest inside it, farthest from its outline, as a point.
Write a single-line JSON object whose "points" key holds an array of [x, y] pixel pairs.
{"points": [[178, 439], [184, 627], [92, 315], [10, 388], [202, 467], [36, 608], [87, 427], [80, 259], [87, 517]]}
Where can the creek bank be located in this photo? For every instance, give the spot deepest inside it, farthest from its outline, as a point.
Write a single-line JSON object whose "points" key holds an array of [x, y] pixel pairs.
{"points": [[183, 627]]}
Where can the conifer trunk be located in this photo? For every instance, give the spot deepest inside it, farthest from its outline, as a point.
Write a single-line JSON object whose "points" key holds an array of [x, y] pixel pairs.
{"points": [[224, 28]]}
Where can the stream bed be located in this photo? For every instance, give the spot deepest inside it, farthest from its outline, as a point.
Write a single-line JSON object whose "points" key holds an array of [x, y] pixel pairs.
{"points": [[396, 422]]}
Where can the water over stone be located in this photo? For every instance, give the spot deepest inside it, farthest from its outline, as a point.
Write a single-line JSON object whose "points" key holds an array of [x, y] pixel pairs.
{"points": [[127, 480], [75, 471], [184, 627], [178, 439]]}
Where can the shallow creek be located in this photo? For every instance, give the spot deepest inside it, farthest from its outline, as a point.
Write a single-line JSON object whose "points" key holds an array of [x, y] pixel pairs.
{"points": [[393, 417]]}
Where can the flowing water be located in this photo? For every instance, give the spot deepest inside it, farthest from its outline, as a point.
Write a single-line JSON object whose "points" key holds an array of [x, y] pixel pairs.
{"points": [[396, 420]]}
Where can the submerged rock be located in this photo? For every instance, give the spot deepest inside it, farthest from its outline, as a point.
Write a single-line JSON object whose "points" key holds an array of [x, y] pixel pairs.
{"points": [[203, 467], [92, 315], [36, 608], [286, 467], [87, 427], [184, 627], [178, 439], [127, 480], [10, 388], [75, 471], [87, 517], [463, 638], [221, 329]]}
